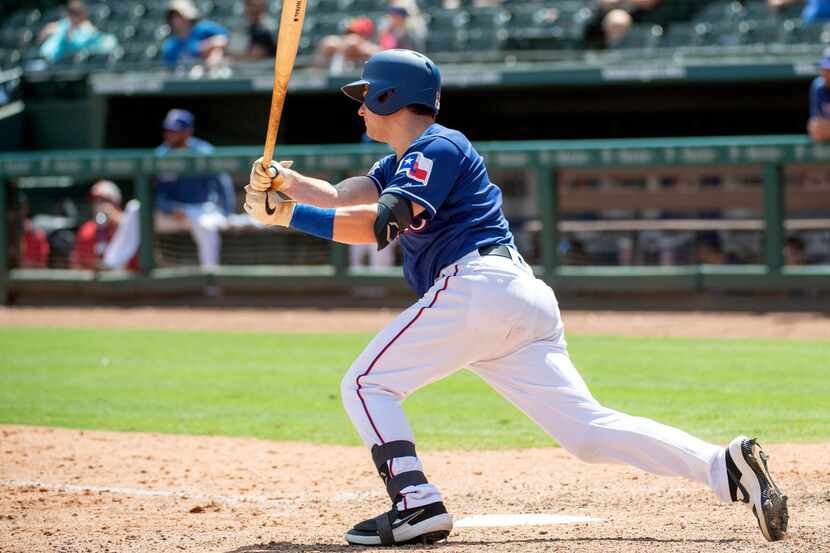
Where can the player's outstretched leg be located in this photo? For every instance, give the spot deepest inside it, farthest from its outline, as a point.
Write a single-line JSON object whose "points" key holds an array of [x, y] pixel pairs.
{"points": [[746, 465], [545, 385]]}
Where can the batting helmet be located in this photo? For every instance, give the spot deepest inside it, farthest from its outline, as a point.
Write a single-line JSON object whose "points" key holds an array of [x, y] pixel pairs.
{"points": [[394, 79]]}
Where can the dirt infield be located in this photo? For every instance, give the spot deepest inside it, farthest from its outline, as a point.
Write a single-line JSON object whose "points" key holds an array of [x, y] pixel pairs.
{"points": [[69, 490], [74, 491], [692, 324]]}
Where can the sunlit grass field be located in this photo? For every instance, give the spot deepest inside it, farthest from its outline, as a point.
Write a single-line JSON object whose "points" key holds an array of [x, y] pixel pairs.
{"points": [[286, 386]]}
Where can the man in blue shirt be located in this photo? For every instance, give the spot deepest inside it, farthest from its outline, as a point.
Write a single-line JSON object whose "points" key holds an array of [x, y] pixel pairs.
{"points": [[192, 40], [196, 203], [480, 307], [818, 125]]}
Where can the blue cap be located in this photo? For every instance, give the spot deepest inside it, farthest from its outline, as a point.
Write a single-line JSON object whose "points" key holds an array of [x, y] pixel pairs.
{"points": [[397, 10], [178, 120]]}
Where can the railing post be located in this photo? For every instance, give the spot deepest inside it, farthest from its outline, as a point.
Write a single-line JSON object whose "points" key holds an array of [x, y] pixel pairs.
{"points": [[774, 211], [4, 242], [146, 255], [548, 199], [340, 258]]}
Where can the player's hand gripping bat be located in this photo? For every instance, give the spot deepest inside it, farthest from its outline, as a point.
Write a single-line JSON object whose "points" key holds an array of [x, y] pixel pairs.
{"points": [[288, 40]]}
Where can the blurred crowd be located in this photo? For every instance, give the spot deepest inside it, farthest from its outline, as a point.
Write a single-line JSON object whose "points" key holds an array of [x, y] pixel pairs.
{"points": [[177, 33]]}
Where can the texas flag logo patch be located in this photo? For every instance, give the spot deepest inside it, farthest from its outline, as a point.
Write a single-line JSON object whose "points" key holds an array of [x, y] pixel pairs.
{"points": [[417, 167]]}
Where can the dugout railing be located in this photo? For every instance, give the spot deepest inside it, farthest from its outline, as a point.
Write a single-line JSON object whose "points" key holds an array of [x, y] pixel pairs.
{"points": [[773, 159]]}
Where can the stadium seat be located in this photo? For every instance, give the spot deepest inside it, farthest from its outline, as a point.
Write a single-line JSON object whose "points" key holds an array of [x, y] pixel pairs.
{"points": [[442, 41], [640, 37], [487, 19], [797, 31], [721, 11], [678, 35], [446, 20], [766, 31]]}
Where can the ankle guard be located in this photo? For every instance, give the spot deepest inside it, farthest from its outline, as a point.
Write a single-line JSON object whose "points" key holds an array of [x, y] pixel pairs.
{"points": [[383, 454]]}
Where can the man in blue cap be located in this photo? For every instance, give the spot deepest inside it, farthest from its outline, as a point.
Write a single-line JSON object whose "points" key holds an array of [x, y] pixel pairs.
{"points": [[819, 124], [198, 203]]}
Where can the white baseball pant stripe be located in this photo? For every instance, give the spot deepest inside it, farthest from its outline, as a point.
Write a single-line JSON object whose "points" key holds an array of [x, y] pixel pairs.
{"points": [[491, 315]]}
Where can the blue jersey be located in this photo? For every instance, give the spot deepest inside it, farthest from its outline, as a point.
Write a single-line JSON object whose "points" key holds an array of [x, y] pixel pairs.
{"points": [[174, 191], [819, 99], [442, 172]]}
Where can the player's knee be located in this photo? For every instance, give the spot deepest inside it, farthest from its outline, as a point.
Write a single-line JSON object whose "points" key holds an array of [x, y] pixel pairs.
{"points": [[348, 386]]}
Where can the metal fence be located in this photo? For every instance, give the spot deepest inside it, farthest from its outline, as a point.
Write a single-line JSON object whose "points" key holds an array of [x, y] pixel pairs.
{"points": [[775, 184]]}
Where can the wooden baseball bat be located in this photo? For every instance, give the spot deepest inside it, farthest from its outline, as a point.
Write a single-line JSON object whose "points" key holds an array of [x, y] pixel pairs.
{"points": [[288, 40]]}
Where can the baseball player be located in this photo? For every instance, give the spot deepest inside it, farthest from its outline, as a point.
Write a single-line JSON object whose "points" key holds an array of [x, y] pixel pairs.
{"points": [[480, 307]]}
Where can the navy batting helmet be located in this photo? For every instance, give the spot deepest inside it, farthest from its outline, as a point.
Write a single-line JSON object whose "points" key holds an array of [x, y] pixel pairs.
{"points": [[394, 79]]}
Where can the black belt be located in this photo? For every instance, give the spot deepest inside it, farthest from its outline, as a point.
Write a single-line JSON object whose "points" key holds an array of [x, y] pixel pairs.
{"points": [[499, 250]]}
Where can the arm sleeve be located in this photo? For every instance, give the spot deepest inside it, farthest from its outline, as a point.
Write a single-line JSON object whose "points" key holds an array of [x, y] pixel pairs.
{"points": [[427, 176], [207, 29]]}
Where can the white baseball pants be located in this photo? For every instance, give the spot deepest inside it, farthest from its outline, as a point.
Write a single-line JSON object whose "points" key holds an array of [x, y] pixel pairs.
{"points": [[492, 315]]}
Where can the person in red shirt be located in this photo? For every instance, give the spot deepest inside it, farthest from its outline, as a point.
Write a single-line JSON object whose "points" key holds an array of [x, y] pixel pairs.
{"points": [[34, 246], [94, 235]]}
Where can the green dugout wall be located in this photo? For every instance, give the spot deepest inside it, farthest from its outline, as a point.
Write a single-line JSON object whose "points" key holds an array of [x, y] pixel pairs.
{"points": [[768, 156]]}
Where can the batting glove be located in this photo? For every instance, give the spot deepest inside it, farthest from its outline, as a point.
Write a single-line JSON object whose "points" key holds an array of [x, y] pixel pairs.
{"points": [[274, 177], [268, 207]]}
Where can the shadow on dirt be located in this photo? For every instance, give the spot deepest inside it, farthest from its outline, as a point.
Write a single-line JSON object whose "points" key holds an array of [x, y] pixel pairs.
{"points": [[331, 547]]}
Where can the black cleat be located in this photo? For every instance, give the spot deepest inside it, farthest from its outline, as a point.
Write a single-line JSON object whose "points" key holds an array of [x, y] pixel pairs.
{"points": [[425, 525], [746, 465]]}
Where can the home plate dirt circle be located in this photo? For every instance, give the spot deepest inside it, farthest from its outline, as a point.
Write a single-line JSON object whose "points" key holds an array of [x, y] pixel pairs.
{"points": [[498, 521]]}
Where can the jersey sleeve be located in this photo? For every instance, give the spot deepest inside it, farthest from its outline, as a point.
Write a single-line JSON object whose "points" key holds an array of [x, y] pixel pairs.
{"points": [[427, 176], [206, 29], [814, 97], [378, 172]]}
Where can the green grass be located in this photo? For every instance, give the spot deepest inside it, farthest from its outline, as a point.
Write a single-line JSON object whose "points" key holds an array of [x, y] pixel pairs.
{"points": [[286, 387]]}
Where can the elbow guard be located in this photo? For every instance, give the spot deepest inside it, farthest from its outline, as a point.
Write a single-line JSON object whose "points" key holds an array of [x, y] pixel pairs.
{"points": [[394, 217]]}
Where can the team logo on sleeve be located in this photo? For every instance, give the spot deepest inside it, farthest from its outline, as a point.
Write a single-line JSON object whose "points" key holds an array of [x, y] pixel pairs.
{"points": [[416, 166]]}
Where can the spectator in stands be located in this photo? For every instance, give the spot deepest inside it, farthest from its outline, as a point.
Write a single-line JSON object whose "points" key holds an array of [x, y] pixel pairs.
{"points": [[403, 27], [261, 29], [814, 10], [192, 39], [709, 250], [353, 48], [34, 246], [614, 18], [73, 34], [95, 235], [818, 126], [199, 204], [795, 251]]}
